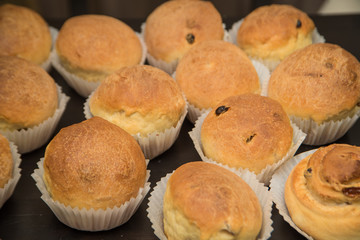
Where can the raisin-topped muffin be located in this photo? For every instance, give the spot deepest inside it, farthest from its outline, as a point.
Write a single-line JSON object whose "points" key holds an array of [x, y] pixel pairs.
{"points": [[175, 26], [272, 32]]}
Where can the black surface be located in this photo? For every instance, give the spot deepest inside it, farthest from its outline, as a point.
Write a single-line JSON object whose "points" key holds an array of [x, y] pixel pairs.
{"points": [[26, 216]]}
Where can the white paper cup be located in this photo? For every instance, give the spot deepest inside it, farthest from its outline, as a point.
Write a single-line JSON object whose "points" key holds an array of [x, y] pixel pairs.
{"points": [[30, 139], [155, 205], [83, 87], [8, 189], [265, 175], [154, 143], [271, 64], [90, 220], [47, 64], [277, 188]]}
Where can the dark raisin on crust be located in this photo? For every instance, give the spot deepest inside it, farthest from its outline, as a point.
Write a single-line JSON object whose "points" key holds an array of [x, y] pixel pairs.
{"points": [[351, 191], [190, 38], [298, 23], [221, 110], [250, 137]]}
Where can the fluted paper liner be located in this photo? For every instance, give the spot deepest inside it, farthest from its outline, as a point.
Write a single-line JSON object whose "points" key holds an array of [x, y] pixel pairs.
{"points": [[90, 220], [194, 113], [155, 205], [8, 189], [83, 87], [32, 138], [277, 185], [271, 64], [170, 67], [47, 64], [265, 175], [154, 143]]}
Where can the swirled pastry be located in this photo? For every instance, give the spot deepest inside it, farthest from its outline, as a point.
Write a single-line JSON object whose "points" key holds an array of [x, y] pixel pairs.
{"points": [[322, 193], [205, 201]]}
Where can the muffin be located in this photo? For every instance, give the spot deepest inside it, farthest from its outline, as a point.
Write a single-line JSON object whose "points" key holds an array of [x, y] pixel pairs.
{"points": [[321, 193], [247, 131], [93, 164], [272, 32], [6, 161], [213, 70], [23, 103], [93, 175], [175, 26], [10, 161], [196, 187], [24, 33], [319, 87], [30, 103], [144, 101], [91, 47]]}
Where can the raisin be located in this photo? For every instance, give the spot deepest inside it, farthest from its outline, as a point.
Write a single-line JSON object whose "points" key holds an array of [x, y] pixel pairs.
{"points": [[221, 110], [250, 137], [298, 24], [309, 170], [351, 192], [190, 38]]}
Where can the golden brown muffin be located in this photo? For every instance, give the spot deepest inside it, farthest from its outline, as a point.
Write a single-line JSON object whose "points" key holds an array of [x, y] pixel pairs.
{"points": [[320, 82], [273, 32], [205, 201], [139, 99], [322, 193], [24, 34], [28, 94], [175, 26], [6, 161], [247, 131], [93, 164], [94, 46], [213, 70]]}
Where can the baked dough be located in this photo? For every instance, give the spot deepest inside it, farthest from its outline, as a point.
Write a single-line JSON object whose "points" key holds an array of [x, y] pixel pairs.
{"points": [[140, 99], [274, 31], [94, 46], [93, 164], [6, 161], [322, 193], [320, 82], [246, 131], [24, 33], [213, 70], [205, 201], [175, 26], [28, 94]]}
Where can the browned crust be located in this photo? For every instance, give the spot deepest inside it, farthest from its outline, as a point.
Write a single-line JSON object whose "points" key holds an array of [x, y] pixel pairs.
{"points": [[254, 132], [213, 70], [317, 82], [28, 94], [24, 33], [169, 24], [98, 44], [93, 164], [6, 161], [214, 199]]}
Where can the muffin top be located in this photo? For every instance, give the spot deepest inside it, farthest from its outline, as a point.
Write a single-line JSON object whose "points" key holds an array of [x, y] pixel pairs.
{"points": [[175, 26], [320, 82], [275, 31], [28, 94], [91, 45], [93, 164], [24, 34], [6, 161], [139, 99], [213, 70], [247, 131]]}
